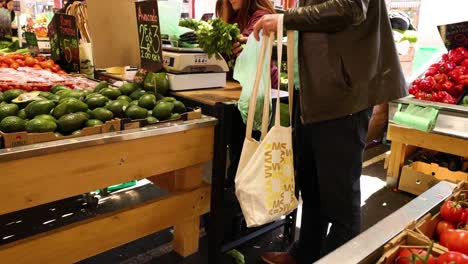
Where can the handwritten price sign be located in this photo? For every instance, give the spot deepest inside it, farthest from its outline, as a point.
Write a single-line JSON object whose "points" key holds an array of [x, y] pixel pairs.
{"points": [[149, 35], [63, 34], [454, 35]]}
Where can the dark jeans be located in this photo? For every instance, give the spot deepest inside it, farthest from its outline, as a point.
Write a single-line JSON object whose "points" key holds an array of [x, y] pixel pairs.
{"points": [[329, 164]]}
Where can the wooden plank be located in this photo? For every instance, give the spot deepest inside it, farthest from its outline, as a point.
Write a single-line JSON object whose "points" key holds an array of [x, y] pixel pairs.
{"points": [[227, 94], [88, 238], [447, 144], [24, 183]]}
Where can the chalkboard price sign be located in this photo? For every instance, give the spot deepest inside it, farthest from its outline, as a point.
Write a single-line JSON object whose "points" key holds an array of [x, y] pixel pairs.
{"points": [[454, 35], [5, 23], [31, 41], [64, 42], [149, 35]]}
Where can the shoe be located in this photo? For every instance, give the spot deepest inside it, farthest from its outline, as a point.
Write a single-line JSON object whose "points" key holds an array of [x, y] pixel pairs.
{"points": [[278, 258]]}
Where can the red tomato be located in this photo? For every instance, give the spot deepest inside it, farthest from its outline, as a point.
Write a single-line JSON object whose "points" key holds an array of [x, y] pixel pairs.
{"points": [[451, 211], [455, 240], [30, 61], [21, 63], [8, 61], [37, 66], [27, 88], [18, 57], [14, 65], [464, 218], [453, 258], [406, 256], [40, 59], [444, 225], [55, 68], [3, 65]]}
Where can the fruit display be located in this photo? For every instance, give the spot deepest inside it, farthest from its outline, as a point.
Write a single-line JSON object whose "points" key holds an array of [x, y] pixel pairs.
{"points": [[33, 79], [444, 81], [12, 48], [67, 111]]}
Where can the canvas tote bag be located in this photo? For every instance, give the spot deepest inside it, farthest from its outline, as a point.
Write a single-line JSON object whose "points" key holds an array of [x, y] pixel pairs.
{"points": [[265, 176]]}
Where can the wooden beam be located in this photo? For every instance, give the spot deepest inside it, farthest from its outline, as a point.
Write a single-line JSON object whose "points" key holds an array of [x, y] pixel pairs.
{"points": [[447, 144], [33, 181], [87, 238]]}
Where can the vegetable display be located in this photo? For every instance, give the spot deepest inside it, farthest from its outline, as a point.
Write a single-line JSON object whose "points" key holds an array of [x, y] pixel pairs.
{"points": [[444, 81], [217, 36]]}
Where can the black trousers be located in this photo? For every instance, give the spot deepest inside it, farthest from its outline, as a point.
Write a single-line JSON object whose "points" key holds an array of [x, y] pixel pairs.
{"points": [[329, 165]]}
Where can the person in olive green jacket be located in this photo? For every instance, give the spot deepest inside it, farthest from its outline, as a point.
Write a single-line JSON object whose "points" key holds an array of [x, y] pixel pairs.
{"points": [[347, 64]]}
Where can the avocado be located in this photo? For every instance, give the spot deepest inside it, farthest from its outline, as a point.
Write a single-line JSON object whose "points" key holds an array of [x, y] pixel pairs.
{"points": [[9, 95], [163, 110], [71, 122], [128, 88], [152, 120], [118, 107], [169, 99], [11, 124], [46, 117], [102, 114], [179, 107], [21, 114], [83, 114], [125, 97], [147, 101], [93, 122], [136, 112], [174, 116], [137, 94], [76, 94], [40, 126], [96, 101], [1, 97], [59, 87], [46, 95], [8, 110], [101, 86], [134, 102], [39, 108], [111, 93]]}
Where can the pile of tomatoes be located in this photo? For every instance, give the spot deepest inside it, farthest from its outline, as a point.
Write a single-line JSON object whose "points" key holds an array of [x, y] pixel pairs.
{"points": [[451, 232], [15, 61]]}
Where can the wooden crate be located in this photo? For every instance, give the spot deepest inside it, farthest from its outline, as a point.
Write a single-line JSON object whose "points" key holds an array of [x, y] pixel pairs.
{"points": [[407, 239]]}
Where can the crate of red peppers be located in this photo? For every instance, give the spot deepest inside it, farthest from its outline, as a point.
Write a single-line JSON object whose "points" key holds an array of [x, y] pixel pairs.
{"points": [[444, 81]]}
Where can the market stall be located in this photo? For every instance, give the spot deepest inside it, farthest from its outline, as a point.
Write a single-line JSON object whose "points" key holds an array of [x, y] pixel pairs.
{"points": [[170, 155]]}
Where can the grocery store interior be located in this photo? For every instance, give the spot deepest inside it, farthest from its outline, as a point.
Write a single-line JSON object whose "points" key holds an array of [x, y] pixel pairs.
{"points": [[121, 139]]}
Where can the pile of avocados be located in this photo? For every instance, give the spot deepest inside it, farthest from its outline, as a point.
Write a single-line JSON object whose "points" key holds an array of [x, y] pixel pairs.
{"points": [[66, 111]]}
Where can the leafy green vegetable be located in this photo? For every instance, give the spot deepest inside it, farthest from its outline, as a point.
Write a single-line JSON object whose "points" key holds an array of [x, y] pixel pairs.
{"points": [[189, 23], [217, 36]]}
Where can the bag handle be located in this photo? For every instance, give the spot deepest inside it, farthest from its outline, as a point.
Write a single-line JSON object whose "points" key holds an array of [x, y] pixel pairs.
{"points": [[290, 69], [266, 47]]}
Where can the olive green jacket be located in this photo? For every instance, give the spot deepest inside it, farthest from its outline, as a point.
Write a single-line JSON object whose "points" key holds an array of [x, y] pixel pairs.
{"points": [[347, 57]]}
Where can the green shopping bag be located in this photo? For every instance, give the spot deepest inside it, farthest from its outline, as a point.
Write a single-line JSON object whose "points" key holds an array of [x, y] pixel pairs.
{"points": [[244, 72]]}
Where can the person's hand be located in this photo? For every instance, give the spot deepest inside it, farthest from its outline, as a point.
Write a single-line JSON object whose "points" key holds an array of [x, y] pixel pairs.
{"points": [[237, 47], [268, 23]]}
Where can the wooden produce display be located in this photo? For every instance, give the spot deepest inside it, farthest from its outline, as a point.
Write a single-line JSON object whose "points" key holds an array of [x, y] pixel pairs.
{"points": [[405, 140], [169, 156]]}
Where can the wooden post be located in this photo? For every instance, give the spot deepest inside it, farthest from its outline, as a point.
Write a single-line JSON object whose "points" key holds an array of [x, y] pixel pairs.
{"points": [[186, 231]]}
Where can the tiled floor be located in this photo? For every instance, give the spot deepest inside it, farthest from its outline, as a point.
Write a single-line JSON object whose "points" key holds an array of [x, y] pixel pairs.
{"points": [[377, 203]]}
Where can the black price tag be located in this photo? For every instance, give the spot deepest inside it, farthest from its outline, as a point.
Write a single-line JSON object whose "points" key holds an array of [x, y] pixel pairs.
{"points": [[5, 23], [149, 35], [64, 42], [454, 35], [31, 41]]}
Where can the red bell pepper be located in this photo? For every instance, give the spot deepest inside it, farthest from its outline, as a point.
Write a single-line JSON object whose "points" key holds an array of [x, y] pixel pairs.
{"points": [[433, 70], [417, 81], [447, 86], [413, 89], [440, 77], [457, 55], [428, 84], [455, 74], [445, 67], [464, 63]]}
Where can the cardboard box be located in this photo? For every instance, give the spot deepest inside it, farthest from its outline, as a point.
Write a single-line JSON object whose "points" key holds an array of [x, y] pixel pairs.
{"points": [[193, 113], [18, 139], [407, 239], [419, 177]]}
